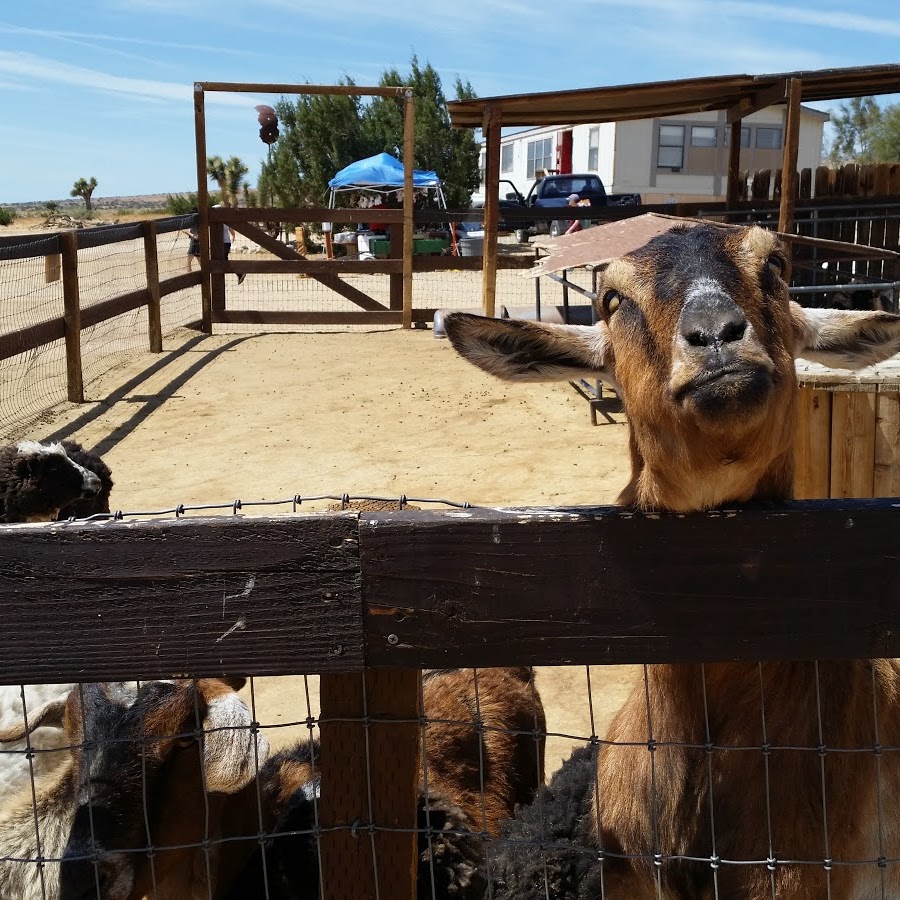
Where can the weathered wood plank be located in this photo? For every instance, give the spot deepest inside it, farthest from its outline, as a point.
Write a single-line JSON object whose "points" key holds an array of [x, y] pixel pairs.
{"points": [[887, 445], [554, 587], [812, 445], [205, 597], [852, 444], [370, 773]]}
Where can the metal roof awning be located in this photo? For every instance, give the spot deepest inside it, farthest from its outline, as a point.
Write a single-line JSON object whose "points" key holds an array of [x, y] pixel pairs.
{"points": [[600, 244], [740, 94]]}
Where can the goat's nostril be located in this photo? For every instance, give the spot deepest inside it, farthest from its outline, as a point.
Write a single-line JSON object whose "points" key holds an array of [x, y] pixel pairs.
{"points": [[697, 339], [733, 331]]}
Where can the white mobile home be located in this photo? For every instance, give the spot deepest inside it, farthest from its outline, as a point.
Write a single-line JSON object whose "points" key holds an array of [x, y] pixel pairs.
{"points": [[682, 157]]}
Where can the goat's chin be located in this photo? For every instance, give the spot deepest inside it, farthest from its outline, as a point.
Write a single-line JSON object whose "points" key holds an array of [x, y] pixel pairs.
{"points": [[727, 395]]}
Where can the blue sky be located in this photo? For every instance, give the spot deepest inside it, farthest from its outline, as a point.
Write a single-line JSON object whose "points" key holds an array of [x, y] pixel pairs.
{"points": [[103, 88]]}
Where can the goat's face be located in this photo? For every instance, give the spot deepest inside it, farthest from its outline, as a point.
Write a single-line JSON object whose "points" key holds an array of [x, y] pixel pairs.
{"points": [[131, 747], [698, 336], [50, 479]]}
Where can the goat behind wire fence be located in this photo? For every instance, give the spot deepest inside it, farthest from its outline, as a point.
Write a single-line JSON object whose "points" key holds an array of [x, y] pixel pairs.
{"points": [[162, 788]]}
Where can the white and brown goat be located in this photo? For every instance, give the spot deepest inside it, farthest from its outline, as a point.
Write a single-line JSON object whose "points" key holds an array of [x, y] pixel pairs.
{"points": [[137, 746], [699, 337]]}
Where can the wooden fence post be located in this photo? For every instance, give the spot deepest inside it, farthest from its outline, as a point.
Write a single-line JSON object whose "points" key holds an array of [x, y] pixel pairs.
{"points": [[72, 316], [370, 775], [409, 150], [154, 311], [202, 205], [493, 118]]}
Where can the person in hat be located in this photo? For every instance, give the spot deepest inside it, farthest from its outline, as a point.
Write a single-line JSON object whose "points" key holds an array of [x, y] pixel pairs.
{"points": [[574, 224]]}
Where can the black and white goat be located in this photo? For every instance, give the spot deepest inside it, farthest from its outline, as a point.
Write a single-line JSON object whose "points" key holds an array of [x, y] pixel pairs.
{"points": [[137, 775], [38, 480], [96, 503]]}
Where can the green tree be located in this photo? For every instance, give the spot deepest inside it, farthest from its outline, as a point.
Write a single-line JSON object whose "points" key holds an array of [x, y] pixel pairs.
{"points": [[886, 136], [322, 134], [854, 124], [84, 188]]}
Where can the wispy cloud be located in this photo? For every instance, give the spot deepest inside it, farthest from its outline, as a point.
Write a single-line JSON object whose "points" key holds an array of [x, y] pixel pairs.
{"points": [[101, 39], [42, 70]]}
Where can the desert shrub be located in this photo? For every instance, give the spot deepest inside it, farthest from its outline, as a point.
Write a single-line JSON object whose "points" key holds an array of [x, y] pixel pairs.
{"points": [[182, 204], [7, 216]]}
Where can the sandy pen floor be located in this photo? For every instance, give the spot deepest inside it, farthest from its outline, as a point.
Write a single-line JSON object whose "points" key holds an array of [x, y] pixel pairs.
{"points": [[266, 417]]}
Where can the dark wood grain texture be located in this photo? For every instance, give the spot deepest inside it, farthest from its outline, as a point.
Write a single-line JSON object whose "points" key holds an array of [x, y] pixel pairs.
{"points": [[487, 588], [203, 597]]}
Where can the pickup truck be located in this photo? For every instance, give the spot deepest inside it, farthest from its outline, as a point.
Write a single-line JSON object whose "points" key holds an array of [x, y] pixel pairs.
{"points": [[553, 191]]}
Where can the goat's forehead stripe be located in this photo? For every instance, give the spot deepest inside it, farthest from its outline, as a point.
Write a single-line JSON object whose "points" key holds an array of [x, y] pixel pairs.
{"points": [[704, 286], [35, 448]]}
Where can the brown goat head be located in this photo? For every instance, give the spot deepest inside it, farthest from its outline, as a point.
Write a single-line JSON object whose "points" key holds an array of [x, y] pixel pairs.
{"points": [[135, 756], [698, 336]]}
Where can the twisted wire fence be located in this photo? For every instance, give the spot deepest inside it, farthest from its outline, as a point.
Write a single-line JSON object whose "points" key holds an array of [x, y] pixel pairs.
{"points": [[513, 779]]}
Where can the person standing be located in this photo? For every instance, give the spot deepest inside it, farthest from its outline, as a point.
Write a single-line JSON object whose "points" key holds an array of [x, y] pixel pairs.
{"points": [[227, 240], [193, 234]]}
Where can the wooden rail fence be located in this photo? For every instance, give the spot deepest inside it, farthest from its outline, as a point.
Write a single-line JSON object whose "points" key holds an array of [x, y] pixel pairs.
{"points": [[368, 599]]}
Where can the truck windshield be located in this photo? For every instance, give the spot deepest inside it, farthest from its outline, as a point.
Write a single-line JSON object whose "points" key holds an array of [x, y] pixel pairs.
{"points": [[589, 185]]}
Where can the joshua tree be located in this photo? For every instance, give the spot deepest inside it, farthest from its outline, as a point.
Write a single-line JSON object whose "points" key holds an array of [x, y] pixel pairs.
{"points": [[229, 175], [215, 169], [84, 188]]}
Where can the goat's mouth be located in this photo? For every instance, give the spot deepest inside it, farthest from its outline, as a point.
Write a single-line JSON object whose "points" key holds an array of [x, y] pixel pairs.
{"points": [[726, 389]]}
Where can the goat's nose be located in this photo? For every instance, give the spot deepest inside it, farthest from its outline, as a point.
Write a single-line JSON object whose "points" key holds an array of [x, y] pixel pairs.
{"points": [[712, 321], [90, 484]]}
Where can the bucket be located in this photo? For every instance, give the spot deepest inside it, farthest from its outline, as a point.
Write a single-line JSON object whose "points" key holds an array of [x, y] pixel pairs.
{"points": [[471, 247]]}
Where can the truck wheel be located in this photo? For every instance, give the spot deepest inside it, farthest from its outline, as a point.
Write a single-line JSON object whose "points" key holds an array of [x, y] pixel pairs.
{"points": [[522, 235], [556, 228]]}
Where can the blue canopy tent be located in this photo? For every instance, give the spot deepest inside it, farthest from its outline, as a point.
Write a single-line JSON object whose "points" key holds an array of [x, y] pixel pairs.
{"points": [[381, 174]]}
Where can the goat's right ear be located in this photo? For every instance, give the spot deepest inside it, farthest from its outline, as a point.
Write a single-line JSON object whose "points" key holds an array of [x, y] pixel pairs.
{"points": [[50, 715], [531, 351]]}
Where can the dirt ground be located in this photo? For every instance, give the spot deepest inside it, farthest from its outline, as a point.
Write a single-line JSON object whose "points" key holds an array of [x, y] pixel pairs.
{"points": [[384, 413]]}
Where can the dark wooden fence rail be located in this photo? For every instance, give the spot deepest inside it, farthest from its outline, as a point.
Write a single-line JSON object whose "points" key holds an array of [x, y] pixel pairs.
{"points": [[480, 587], [366, 600]]}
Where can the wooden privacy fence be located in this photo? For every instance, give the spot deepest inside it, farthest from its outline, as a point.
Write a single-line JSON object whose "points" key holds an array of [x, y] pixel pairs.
{"points": [[368, 599], [60, 252]]}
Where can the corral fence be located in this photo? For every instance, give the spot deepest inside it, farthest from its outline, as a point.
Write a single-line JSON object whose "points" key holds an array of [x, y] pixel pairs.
{"points": [[369, 599], [73, 303]]}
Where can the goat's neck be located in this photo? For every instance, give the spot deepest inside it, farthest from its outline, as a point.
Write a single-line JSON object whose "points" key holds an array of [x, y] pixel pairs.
{"points": [[52, 810]]}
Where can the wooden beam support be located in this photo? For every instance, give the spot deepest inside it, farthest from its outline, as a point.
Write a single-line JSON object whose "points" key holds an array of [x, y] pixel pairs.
{"points": [[326, 272], [332, 90], [789, 163], [734, 166], [493, 118], [409, 152], [72, 317], [203, 205], [762, 99], [154, 311]]}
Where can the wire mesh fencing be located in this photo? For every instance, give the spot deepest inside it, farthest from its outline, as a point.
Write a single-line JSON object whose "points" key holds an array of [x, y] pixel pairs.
{"points": [[109, 291], [225, 787]]}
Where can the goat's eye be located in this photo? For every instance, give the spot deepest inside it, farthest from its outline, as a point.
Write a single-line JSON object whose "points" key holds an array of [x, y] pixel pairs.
{"points": [[775, 264], [611, 301]]}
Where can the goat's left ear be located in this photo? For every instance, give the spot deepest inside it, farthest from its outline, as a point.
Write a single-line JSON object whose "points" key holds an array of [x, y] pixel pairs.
{"points": [[531, 351], [232, 748], [842, 339], [50, 715]]}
